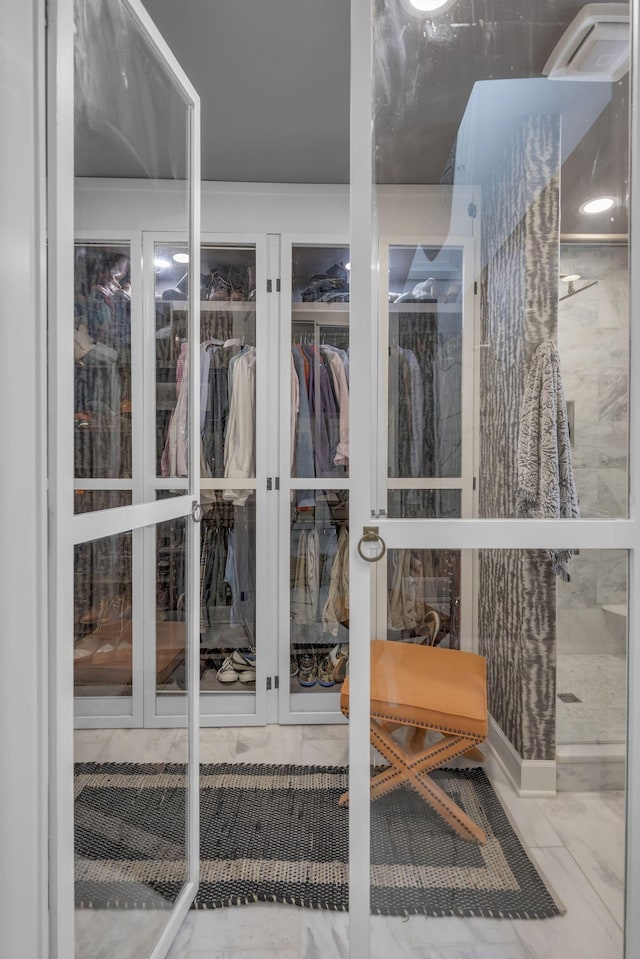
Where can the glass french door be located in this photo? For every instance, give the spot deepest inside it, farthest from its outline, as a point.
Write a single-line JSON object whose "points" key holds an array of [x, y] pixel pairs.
{"points": [[125, 857], [445, 401]]}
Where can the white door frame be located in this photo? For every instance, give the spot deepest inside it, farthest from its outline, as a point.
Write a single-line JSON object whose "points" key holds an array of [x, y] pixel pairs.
{"points": [[462, 534], [66, 529]]}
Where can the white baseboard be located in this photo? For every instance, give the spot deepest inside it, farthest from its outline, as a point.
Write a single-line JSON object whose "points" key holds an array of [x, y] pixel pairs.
{"points": [[529, 777], [585, 767]]}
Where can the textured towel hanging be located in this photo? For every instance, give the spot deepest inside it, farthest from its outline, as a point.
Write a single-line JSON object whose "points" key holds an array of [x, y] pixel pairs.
{"points": [[546, 488]]}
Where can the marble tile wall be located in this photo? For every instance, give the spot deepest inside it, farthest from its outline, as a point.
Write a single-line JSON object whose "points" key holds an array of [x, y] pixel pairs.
{"points": [[593, 341]]}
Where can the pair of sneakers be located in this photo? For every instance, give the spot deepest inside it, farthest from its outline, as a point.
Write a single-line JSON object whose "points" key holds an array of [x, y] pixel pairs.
{"points": [[239, 666], [314, 669]]}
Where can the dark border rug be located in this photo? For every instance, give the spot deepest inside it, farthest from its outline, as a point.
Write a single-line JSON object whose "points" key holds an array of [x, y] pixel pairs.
{"points": [[277, 834]]}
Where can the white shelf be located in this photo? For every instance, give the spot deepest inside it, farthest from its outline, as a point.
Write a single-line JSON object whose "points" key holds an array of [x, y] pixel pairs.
{"points": [[212, 306], [315, 307], [425, 307]]}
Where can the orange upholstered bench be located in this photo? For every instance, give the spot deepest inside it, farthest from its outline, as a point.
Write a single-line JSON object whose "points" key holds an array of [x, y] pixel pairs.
{"points": [[425, 688]]}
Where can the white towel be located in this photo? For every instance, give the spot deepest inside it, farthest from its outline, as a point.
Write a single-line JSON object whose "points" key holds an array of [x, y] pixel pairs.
{"points": [[546, 487]]}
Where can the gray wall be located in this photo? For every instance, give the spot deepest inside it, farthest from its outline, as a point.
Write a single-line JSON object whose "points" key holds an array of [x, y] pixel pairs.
{"points": [[520, 233]]}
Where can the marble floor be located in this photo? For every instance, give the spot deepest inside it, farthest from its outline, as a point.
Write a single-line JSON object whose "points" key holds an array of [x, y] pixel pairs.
{"points": [[599, 681], [575, 839]]}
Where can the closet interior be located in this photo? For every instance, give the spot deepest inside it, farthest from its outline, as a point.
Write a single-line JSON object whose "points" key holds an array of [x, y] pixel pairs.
{"points": [[306, 633]]}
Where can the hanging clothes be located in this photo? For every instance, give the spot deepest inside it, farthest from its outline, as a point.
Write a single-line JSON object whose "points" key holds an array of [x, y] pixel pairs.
{"points": [[217, 410], [305, 591], [341, 389], [174, 460], [239, 448], [303, 464], [336, 609]]}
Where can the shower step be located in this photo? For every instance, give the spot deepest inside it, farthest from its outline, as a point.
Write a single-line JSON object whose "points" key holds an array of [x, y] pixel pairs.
{"points": [[590, 767]]}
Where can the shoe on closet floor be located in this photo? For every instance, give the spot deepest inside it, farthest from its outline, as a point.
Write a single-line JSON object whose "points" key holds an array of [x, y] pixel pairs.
{"points": [[307, 669], [227, 672], [339, 659], [431, 628], [325, 671], [244, 663]]}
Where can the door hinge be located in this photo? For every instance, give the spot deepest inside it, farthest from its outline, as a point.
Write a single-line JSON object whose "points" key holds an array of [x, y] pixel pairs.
{"points": [[278, 285], [474, 483], [269, 486], [475, 287], [276, 483], [276, 682], [269, 286], [268, 683], [472, 210]]}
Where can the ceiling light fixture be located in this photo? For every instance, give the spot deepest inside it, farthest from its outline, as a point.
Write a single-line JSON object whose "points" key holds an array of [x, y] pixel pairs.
{"points": [[161, 264], [599, 204], [427, 6], [570, 277], [181, 257]]}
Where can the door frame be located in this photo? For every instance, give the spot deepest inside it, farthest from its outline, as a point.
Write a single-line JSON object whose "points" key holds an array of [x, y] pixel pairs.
{"points": [[67, 529]]}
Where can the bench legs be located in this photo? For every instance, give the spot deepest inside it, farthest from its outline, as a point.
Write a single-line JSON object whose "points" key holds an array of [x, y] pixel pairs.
{"points": [[410, 764]]}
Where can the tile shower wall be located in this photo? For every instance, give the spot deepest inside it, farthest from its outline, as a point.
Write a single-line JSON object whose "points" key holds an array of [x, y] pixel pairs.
{"points": [[593, 340]]}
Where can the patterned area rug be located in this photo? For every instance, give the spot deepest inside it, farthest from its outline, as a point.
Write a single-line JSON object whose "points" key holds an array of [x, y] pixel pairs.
{"points": [[276, 833]]}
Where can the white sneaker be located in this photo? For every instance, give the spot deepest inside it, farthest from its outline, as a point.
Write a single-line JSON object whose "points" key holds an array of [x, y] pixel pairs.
{"points": [[227, 672]]}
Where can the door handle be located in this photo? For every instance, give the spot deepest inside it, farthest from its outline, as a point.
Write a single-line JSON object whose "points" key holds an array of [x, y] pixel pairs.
{"points": [[370, 534]]}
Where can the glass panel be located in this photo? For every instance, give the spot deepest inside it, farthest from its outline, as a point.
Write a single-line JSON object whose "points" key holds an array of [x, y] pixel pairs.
{"points": [[424, 503], [102, 654], [423, 596], [227, 598], [130, 791], [425, 361], [171, 592], [87, 500], [102, 361], [130, 788], [131, 123], [473, 155], [320, 362], [319, 590], [593, 341], [546, 659], [227, 344]]}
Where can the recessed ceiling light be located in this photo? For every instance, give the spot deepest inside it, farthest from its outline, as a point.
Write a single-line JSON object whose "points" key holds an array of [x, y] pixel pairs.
{"points": [[161, 264], [181, 257], [428, 6], [598, 204]]}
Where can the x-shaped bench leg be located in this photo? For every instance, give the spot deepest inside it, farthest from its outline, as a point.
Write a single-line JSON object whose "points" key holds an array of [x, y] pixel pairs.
{"points": [[413, 768]]}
